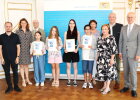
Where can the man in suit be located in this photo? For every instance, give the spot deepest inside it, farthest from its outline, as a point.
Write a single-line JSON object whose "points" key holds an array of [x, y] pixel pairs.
{"points": [[115, 29], [129, 51], [36, 28]]}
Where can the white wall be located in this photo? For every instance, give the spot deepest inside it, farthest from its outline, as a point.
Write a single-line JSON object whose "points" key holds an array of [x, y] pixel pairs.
{"points": [[54, 5], [20, 9], [2, 19], [40, 12]]}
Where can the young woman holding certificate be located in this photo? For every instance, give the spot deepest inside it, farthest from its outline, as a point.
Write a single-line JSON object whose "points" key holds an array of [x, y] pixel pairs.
{"points": [[54, 45], [71, 54], [38, 50], [88, 45]]}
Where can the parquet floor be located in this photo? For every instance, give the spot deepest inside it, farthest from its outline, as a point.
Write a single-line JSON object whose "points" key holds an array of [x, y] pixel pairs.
{"points": [[65, 93]]}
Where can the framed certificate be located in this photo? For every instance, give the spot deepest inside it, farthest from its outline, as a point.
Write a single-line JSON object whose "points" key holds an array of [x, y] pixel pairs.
{"points": [[37, 47], [87, 40], [104, 5], [52, 45], [70, 45]]}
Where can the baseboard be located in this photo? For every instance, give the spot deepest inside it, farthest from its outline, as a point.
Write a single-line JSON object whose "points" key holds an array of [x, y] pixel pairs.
{"points": [[64, 76]]}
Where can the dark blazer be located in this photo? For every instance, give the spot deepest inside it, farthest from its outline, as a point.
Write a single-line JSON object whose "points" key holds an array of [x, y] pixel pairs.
{"points": [[116, 32]]}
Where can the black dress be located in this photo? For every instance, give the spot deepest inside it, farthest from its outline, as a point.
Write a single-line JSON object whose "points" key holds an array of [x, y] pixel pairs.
{"points": [[71, 56], [106, 47]]}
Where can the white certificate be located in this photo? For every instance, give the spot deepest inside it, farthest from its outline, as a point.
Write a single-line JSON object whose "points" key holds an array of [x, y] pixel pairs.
{"points": [[70, 45], [52, 44], [38, 47], [87, 42]]}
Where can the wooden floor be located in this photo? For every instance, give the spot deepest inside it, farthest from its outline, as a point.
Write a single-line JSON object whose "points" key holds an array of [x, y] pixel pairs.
{"points": [[65, 93]]}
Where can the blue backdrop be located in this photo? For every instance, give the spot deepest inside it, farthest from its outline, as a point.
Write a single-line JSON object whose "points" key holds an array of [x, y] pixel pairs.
{"points": [[61, 20]]}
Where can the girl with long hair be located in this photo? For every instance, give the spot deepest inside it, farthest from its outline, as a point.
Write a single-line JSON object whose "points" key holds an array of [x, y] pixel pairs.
{"points": [[72, 57], [54, 55]]}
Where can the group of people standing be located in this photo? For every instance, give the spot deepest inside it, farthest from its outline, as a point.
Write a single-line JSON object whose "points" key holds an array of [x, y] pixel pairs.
{"points": [[100, 60]]}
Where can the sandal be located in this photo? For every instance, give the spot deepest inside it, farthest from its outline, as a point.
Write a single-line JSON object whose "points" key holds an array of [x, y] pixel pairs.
{"points": [[29, 82], [57, 83], [24, 83], [102, 89], [53, 83], [106, 92]]}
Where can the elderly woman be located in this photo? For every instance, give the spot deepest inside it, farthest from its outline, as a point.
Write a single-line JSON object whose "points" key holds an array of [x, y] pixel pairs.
{"points": [[106, 63]]}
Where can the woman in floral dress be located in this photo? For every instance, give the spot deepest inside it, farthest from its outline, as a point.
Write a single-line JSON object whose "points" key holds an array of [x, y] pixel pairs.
{"points": [[107, 48]]}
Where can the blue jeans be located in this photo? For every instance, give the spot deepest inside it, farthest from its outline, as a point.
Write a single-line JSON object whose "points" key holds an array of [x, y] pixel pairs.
{"points": [[39, 68], [87, 66]]}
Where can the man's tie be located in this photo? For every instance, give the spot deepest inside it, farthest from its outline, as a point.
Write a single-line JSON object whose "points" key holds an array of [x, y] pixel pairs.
{"points": [[129, 31]]}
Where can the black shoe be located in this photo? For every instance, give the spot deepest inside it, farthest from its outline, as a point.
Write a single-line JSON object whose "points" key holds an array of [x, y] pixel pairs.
{"points": [[68, 83], [8, 90], [74, 83], [124, 89], [17, 89], [134, 93]]}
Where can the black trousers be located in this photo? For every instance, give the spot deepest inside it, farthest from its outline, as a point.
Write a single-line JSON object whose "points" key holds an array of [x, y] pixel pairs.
{"points": [[6, 67]]}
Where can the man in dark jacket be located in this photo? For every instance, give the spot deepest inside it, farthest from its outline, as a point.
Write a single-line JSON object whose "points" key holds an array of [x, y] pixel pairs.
{"points": [[115, 29]]}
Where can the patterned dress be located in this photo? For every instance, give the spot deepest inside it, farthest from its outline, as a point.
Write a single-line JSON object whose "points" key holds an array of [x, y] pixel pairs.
{"points": [[106, 47], [25, 39]]}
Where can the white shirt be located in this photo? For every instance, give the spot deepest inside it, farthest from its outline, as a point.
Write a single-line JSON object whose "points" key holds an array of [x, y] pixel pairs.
{"points": [[130, 26], [54, 53], [42, 45], [36, 29], [89, 54], [111, 28]]}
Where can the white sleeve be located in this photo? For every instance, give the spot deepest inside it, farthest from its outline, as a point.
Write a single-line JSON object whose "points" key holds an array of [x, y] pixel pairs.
{"points": [[44, 48], [31, 49], [94, 42], [60, 43]]}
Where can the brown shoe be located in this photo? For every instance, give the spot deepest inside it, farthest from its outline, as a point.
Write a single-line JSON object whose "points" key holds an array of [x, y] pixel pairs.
{"points": [[116, 86]]}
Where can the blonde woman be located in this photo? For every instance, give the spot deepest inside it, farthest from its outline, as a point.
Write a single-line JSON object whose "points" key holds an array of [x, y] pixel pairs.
{"points": [[55, 56]]}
